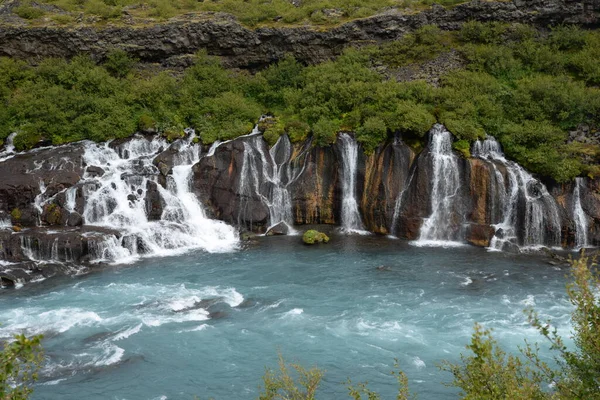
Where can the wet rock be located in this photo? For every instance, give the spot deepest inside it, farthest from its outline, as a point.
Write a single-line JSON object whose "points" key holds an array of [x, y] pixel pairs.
{"points": [[75, 219], [217, 183], [279, 229], [94, 171], [314, 193], [480, 234], [154, 202], [26, 174]]}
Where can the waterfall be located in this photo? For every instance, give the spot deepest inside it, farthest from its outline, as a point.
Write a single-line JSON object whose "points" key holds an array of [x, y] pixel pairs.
{"points": [[351, 220], [268, 175], [443, 226], [539, 212], [579, 217], [9, 147], [116, 200]]}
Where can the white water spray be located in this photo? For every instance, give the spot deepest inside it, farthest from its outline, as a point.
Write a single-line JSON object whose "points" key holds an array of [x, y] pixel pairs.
{"points": [[117, 200], [268, 176], [443, 226], [351, 220], [579, 217], [540, 217]]}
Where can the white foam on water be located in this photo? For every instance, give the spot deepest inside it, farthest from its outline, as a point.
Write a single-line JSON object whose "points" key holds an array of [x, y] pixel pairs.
{"points": [[111, 354], [127, 332], [154, 320], [199, 328], [437, 243], [295, 312], [466, 282], [417, 362], [53, 382], [35, 321]]}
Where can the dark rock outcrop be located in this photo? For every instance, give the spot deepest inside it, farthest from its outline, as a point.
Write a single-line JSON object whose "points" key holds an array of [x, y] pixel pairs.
{"points": [[222, 35], [26, 174]]}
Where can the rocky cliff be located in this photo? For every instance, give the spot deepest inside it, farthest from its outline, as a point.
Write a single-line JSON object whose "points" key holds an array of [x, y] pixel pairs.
{"points": [[168, 43], [82, 203]]}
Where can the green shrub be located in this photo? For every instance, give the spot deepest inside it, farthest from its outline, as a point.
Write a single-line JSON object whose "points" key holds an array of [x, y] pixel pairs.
{"points": [[297, 130], [273, 131], [410, 117], [372, 133], [325, 132], [463, 147], [119, 63], [567, 37], [28, 12], [482, 32], [20, 360]]}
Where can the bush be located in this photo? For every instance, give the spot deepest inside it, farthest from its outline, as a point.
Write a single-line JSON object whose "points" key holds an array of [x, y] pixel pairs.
{"points": [[20, 360], [325, 132], [291, 382], [118, 63], [371, 133], [28, 12]]}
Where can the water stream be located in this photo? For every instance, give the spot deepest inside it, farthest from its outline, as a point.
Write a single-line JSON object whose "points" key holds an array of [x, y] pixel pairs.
{"points": [[444, 225], [351, 220], [528, 214], [579, 217]]}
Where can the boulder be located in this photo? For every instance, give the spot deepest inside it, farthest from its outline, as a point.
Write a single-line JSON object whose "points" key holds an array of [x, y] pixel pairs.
{"points": [[313, 236], [279, 229]]}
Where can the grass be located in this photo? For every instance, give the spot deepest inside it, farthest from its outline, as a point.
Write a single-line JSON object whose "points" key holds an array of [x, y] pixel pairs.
{"points": [[249, 12]]}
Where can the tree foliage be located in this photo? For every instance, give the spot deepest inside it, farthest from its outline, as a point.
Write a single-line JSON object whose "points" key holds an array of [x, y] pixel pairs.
{"points": [[525, 88], [20, 361]]}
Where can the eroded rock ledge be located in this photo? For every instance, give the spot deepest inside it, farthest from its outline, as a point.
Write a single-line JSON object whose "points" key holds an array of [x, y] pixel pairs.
{"points": [[240, 47]]}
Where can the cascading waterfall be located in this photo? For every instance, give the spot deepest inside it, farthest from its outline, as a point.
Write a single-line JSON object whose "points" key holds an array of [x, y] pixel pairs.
{"points": [[117, 200], [442, 228], [268, 175], [540, 216], [351, 220], [579, 217], [9, 147]]}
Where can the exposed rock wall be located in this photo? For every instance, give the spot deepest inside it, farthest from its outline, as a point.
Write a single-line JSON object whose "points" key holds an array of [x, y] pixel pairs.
{"points": [[240, 47]]}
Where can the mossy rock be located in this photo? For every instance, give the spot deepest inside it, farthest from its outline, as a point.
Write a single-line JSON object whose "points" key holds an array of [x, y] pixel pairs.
{"points": [[312, 236], [16, 215]]}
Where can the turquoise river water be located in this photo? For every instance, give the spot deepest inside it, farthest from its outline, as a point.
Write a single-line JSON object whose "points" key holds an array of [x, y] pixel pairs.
{"points": [[207, 325]]}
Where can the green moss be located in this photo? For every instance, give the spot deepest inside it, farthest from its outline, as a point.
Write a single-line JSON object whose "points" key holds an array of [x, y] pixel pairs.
{"points": [[463, 147], [313, 236], [16, 215], [53, 214]]}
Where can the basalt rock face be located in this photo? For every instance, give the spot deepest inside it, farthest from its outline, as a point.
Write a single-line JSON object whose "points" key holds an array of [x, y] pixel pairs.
{"points": [[28, 179], [240, 47], [218, 182], [495, 201]]}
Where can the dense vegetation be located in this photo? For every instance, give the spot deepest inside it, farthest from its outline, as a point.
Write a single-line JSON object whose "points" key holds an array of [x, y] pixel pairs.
{"points": [[487, 371], [249, 12], [20, 361], [524, 87]]}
